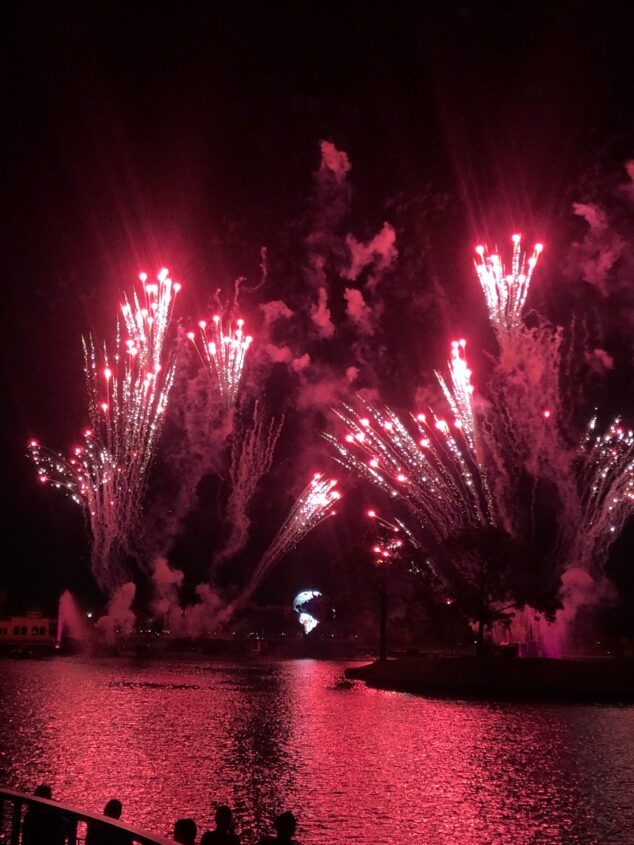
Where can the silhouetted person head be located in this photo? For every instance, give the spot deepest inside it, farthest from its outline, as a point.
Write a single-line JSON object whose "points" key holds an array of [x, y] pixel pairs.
{"points": [[113, 809], [185, 831], [285, 825], [43, 791], [223, 817]]}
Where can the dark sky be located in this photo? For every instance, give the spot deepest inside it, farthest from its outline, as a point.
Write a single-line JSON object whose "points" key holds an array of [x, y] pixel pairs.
{"points": [[137, 137]]}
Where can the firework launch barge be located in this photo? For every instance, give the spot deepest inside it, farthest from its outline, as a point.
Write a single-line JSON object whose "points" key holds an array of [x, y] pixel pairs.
{"points": [[500, 677]]}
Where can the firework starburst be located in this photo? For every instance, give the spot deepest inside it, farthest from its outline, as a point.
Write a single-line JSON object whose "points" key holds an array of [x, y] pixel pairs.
{"points": [[128, 389]]}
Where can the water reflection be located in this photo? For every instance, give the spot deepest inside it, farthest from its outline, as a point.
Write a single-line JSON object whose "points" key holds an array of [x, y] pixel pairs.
{"points": [[172, 739]]}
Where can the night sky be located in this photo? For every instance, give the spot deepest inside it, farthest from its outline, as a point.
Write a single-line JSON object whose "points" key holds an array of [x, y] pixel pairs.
{"points": [[189, 137]]}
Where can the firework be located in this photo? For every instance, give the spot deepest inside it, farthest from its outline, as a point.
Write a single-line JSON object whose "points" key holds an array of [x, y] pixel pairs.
{"points": [[388, 547], [460, 398], [128, 391], [251, 458], [483, 470], [524, 426], [429, 465], [223, 351], [505, 293], [606, 491], [315, 503]]}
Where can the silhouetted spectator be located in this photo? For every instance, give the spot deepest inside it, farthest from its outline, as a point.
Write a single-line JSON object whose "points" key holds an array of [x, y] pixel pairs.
{"points": [[100, 833], [44, 825], [185, 831], [224, 833], [285, 827]]}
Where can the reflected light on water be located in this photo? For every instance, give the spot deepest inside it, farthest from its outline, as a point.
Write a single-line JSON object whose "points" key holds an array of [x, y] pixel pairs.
{"points": [[174, 738]]}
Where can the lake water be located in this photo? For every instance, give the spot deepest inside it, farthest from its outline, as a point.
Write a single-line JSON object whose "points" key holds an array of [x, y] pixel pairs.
{"points": [[173, 738]]}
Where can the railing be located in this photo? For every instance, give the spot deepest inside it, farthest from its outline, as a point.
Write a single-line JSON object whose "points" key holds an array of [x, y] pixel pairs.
{"points": [[14, 804]]}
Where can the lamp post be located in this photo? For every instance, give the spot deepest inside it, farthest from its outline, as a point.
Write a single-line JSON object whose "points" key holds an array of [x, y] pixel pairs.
{"points": [[386, 549], [382, 610]]}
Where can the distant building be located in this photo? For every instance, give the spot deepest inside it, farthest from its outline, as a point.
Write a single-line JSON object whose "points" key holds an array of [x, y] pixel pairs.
{"points": [[29, 630]]}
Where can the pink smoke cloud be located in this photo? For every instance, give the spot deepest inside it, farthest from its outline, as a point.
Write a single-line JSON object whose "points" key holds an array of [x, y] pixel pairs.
{"points": [[628, 189], [200, 619], [274, 310], [299, 364], [578, 590], [320, 315], [278, 354], [320, 394], [284, 355], [330, 205], [599, 360], [322, 388], [120, 616], [380, 251], [333, 160], [601, 248], [165, 602], [359, 312]]}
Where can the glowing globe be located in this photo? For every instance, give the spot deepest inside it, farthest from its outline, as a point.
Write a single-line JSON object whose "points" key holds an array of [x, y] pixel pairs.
{"points": [[301, 606]]}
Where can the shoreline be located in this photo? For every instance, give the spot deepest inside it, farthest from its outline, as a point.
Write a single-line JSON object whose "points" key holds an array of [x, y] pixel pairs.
{"points": [[598, 680]]}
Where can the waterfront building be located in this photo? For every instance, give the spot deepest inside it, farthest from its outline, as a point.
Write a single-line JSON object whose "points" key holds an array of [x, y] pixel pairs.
{"points": [[28, 630]]}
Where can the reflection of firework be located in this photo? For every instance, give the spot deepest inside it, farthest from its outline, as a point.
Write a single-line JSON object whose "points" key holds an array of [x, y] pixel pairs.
{"points": [[107, 474], [306, 620], [223, 351]]}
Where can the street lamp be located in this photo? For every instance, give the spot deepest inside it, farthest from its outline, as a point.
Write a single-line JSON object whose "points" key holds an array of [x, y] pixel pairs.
{"points": [[386, 549]]}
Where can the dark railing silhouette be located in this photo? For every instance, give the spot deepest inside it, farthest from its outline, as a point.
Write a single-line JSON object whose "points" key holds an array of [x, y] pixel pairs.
{"points": [[13, 805]]}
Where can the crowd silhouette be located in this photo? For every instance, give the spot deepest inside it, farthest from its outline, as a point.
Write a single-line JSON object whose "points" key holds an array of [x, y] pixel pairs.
{"points": [[45, 825]]}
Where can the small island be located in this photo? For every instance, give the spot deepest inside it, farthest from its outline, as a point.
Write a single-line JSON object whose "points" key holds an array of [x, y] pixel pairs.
{"points": [[465, 676]]}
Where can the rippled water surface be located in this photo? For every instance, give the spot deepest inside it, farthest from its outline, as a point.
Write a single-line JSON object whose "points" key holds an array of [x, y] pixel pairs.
{"points": [[171, 738]]}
